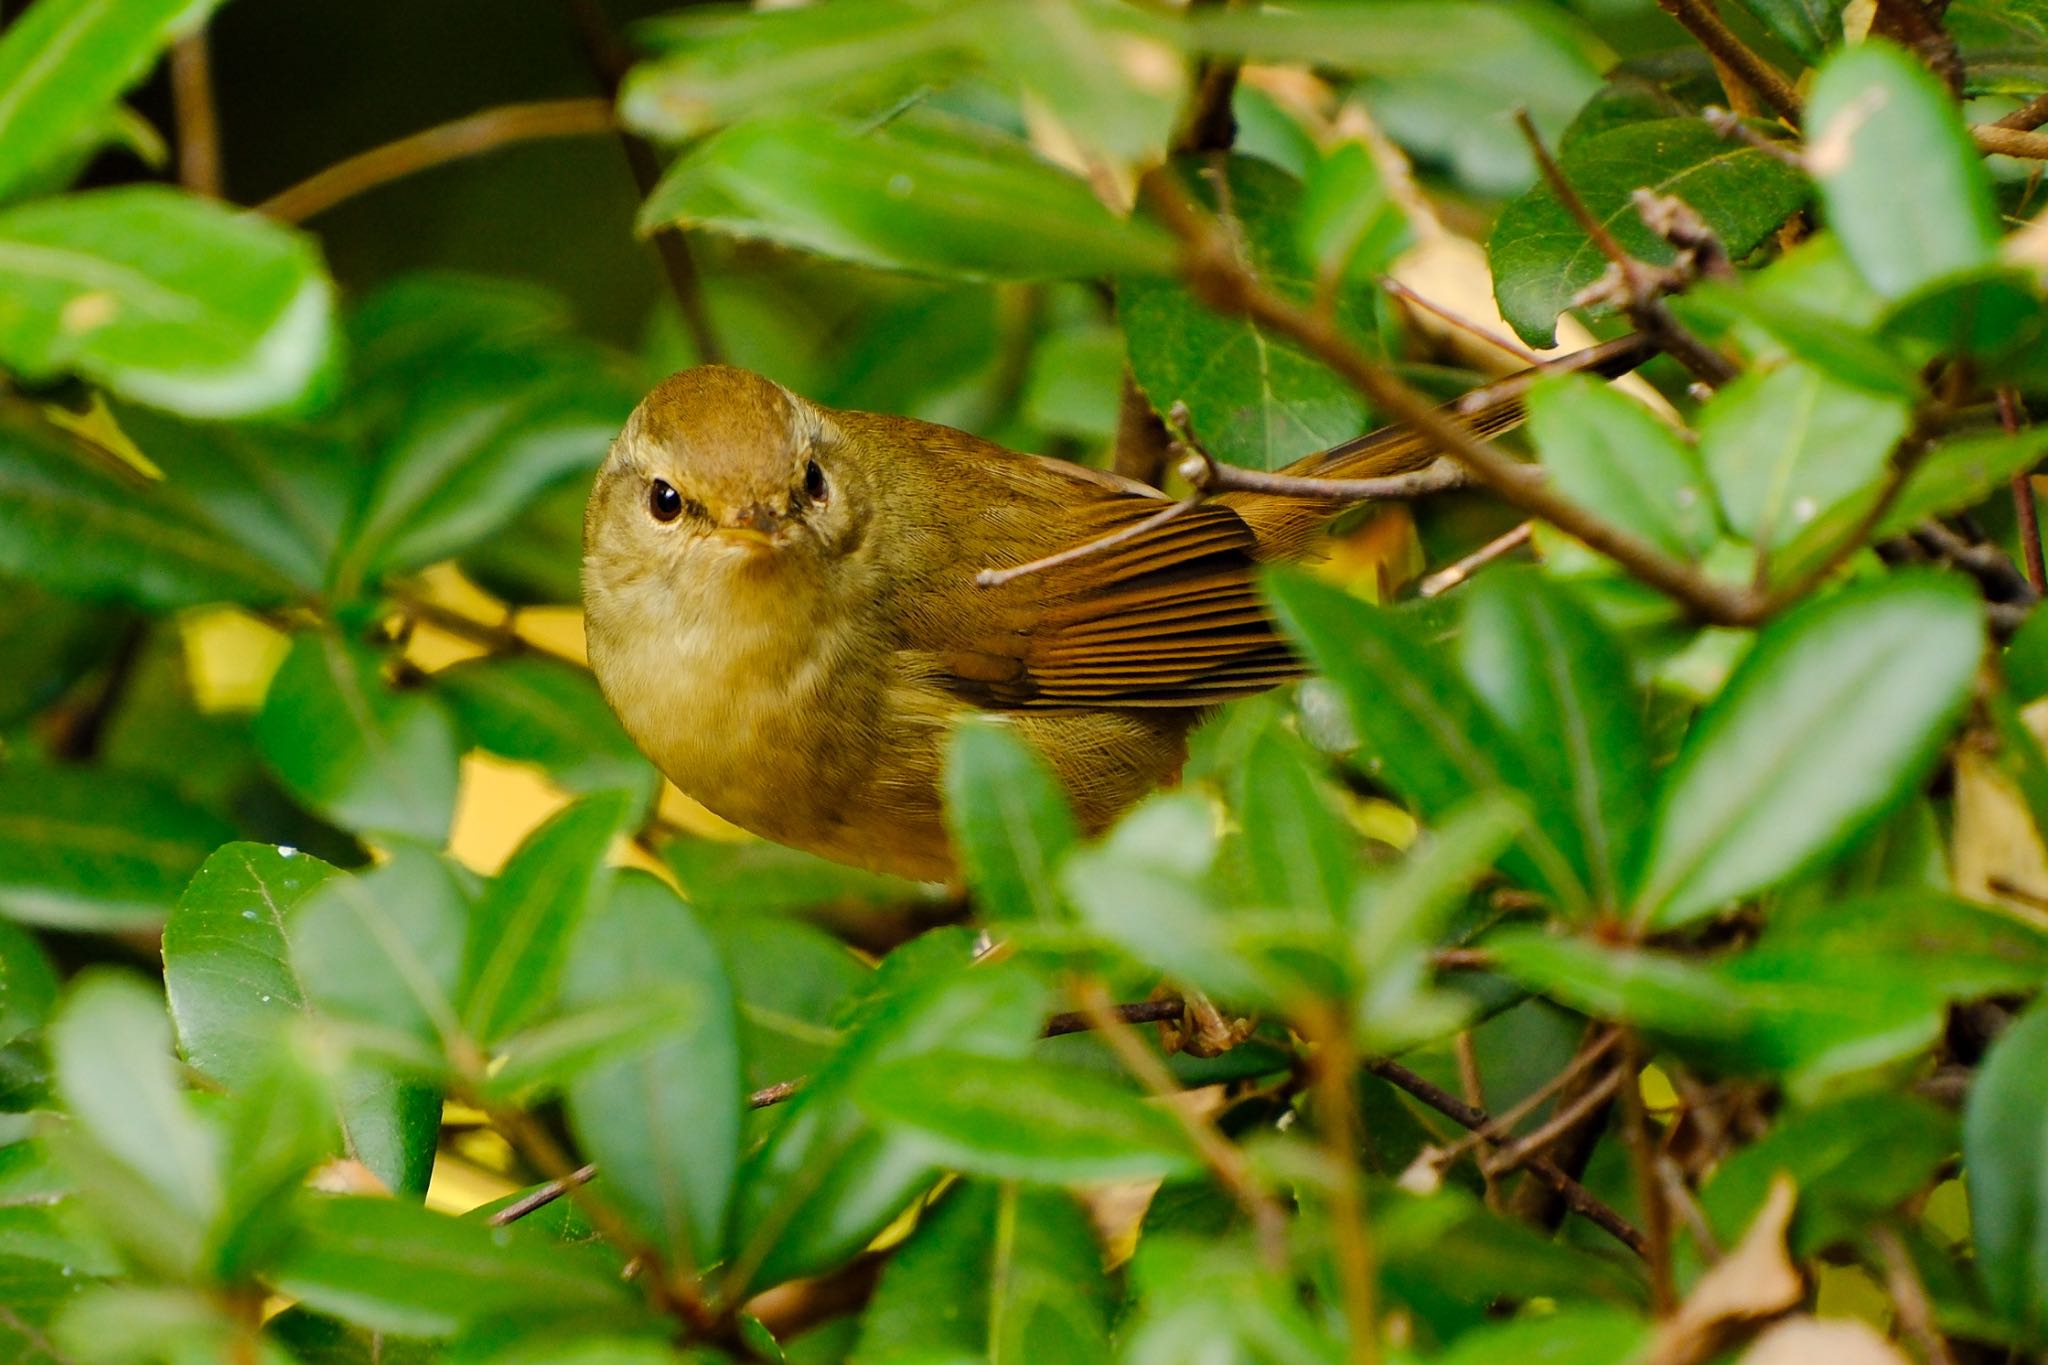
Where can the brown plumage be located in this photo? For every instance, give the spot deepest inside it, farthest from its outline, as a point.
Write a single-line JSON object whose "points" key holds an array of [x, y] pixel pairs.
{"points": [[783, 609]]}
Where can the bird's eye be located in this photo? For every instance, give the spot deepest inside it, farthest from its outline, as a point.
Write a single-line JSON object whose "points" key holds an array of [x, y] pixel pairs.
{"points": [[663, 501], [815, 487]]}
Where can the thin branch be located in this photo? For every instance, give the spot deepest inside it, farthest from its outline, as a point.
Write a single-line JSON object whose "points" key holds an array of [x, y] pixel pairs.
{"points": [[2011, 416], [1699, 18], [495, 638], [539, 1198], [1577, 1197], [1451, 575], [2027, 117], [1909, 1296], [1642, 285], [611, 60], [996, 578], [484, 131], [1221, 280], [1331, 1070], [1144, 1012], [196, 116], [1211, 475], [1223, 1159], [1635, 1131], [1459, 321], [1556, 1126], [1992, 137], [1501, 1126]]}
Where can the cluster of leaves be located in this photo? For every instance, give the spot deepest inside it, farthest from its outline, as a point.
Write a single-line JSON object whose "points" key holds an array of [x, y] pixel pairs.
{"points": [[1711, 908]]}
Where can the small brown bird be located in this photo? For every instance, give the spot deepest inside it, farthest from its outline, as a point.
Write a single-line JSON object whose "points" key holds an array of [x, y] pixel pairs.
{"points": [[783, 607]]}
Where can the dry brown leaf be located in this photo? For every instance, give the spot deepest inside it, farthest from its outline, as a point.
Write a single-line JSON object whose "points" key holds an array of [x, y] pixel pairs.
{"points": [[1755, 1281], [1823, 1341]]}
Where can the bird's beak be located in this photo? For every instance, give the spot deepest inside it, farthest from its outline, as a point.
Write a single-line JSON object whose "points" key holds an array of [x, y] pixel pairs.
{"points": [[753, 524]]}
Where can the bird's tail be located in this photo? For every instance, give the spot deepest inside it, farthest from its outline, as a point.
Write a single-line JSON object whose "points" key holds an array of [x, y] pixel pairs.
{"points": [[1284, 524]]}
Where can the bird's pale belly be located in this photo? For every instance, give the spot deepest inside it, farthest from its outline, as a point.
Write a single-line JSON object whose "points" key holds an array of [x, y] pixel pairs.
{"points": [[830, 784]]}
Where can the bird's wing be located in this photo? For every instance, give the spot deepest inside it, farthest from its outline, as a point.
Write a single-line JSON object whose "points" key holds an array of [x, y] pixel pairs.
{"points": [[1167, 617]]}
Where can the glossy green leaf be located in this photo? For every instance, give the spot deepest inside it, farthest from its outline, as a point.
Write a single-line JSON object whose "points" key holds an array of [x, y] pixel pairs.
{"points": [[1009, 821], [1993, 315], [2005, 1148], [1659, 991], [1808, 27], [1831, 718], [1577, 1336], [233, 987], [49, 641], [28, 983], [1903, 185], [1543, 664], [1787, 445], [82, 848], [1428, 735], [2026, 660], [546, 1056], [792, 982], [824, 1181], [1018, 1119], [519, 934], [476, 434], [36, 1293], [1351, 226], [1296, 849], [64, 63], [1961, 472], [1253, 398], [1612, 456], [663, 1122], [1541, 258], [354, 749], [165, 298], [111, 1043], [538, 711], [76, 520], [383, 950], [281, 1126], [399, 1268], [2003, 45], [1003, 1273], [923, 192]]}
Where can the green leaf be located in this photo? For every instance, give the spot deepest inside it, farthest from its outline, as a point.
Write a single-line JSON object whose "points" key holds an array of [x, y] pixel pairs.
{"points": [[1429, 735], [1607, 452], [398, 1268], [353, 749], [2026, 660], [663, 1123], [111, 1043], [1787, 445], [281, 1124], [1575, 1336], [519, 935], [50, 642], [1003, 1273], [1253, 398], [1808, 27], [64, 63], [1017, 1119], [79, 521], [164, 298], [923, 192], [2003, 44], [384, 949], [546, 1056], [1541, 258], [1351, 227], [824, 1181], [1962, 472], [233, 988], [82, 848], [1903, 185], [538, 711], [1009, 821], [36, 1293], [723, 66], [28, 983], [2005, 1150], [1558, 682], [1297, 850], [479, 432], [1659, 991], [1828, 722], [1852, 1162]]}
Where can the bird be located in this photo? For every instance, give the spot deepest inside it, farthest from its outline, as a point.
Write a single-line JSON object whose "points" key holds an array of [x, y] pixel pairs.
{"points": [[790, 607]]}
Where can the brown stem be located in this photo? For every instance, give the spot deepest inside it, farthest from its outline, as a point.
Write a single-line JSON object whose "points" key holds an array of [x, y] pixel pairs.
{"points": [[1635, 1128], [1223, 1159], [1704, 23], [1451, 575], [1916, 26], [1992, 137], [1331, 1070], [1642, 286], [1223, 282], [1555, 1127], [498, 639], [1143, 1012], [1577, 1197], [1459, 321], [2027, 117], [2012, 416], [611, 60], [1501, 1126], [195, 115], [1909, 1296], [484, 131], [1213, 476]]}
